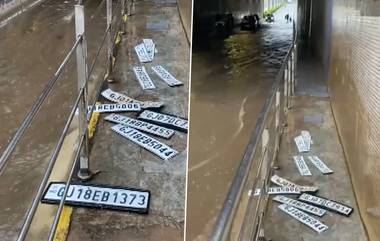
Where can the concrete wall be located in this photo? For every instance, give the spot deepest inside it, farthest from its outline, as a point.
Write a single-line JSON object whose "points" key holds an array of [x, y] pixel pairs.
{"points": [[354, 87]]}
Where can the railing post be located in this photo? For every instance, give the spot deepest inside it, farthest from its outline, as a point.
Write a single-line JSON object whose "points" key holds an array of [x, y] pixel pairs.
{"points": [[293, 74], [81, 54], [109, 77], [276, 165], [264, 153], [286, 88], [123, 15], [289, 82]]}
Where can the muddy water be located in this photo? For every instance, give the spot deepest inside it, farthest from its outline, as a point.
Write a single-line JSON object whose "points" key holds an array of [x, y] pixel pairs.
{"points": [[31, 49], [230, 81]]}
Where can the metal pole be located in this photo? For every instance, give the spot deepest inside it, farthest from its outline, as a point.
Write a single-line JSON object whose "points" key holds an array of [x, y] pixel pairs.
{"points": [[286, 88], [110, 78], [123, 15], [278, 130], [81, 53]]}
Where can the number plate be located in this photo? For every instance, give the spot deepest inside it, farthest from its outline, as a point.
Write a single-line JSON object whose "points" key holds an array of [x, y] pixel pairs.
{"points": [[143, 78], [149, 143], [301, 144], [121, 107], [120, 98], [286, 183], [103, 197], [165, 120], [302, 166], [141, 125], [300, 205], [166, 76], [326, 203], [283, 190], [304, 218], [150, 48], [318, 163], [142, 53], [306, 139]]}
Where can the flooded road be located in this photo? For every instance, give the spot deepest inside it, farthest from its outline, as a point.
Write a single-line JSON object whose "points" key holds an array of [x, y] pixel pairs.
{"points": [[230, 80], [32, 46]]}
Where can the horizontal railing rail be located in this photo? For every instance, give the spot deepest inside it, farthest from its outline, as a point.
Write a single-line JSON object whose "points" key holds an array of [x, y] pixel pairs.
{"points": [[280, 93]]}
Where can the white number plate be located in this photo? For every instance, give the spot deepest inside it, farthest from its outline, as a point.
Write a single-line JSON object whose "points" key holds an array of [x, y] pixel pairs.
{"points": [[165, 119], [121, 107], [150, 48], [103, 197], [286, 183], [143, 78], [304, 218], [325, 203], [302, 166], [149, 143], [141, 125], [306, 139], [120, 98], [166, 76], [302, 147], [318, 163], [300, 205], [142, 54], [283, 190]]}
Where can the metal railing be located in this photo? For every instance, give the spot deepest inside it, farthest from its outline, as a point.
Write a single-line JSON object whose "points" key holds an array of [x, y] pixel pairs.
{"points": [[114, 25], [241, 217]]}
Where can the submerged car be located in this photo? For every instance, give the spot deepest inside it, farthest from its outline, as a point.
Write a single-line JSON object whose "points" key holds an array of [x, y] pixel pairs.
{"points": [[250, 22]]}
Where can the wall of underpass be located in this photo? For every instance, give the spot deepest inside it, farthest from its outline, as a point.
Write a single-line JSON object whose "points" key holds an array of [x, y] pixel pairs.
{"points": [[345, 38], [355, 92]]}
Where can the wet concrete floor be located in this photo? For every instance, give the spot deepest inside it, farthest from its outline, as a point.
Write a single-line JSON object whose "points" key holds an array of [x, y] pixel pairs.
{"points": [[32, 46], [231, 78], [314, 114], [123, 163]]}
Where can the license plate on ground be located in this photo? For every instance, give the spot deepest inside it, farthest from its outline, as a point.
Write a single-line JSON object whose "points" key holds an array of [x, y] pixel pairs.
{"points": [[121, 98], [142, 54], [143, 78], [302, 166], [301, 145], [99, 196], [300, 205], [283, 190], [286, 183], [165, 120], [106, 108], [166, 76], [304, 218], [318, 163], [326, 203], [141, 125], [150, 48], [160, 149]]}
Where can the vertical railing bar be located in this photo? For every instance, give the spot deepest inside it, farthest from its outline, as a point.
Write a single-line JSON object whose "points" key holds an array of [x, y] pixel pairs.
{"points": [[41, 188]]}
